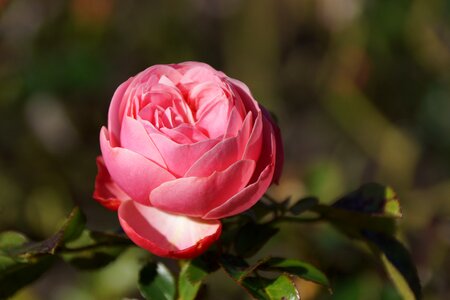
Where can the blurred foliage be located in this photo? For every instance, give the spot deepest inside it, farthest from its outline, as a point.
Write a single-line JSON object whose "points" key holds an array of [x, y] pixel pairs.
{"points": [[361, 90]]}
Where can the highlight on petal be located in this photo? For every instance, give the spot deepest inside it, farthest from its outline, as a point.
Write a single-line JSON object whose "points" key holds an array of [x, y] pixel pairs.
{"points": [[106, 191], [134, 173], [165, 234]]}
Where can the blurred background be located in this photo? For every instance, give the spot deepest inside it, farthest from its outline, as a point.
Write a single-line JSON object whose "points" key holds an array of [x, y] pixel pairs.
{"points": [[361, 89]]}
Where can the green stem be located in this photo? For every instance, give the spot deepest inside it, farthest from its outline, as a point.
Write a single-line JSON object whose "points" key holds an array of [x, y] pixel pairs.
{"points": [[94, 246]]}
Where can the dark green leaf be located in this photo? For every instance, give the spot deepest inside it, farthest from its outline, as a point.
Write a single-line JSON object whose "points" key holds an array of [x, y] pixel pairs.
{"points": [[283, 288], [191, 277], [398, 264], [261, 209], [15, 274], [303, 205], [297, 268], [234, 266], [283, 205], [156, 282], [373, 199], [255, 287], [252, 237]]}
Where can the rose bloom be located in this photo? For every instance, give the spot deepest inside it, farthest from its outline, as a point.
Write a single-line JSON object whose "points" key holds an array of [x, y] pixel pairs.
{"points": [[185, 147]]}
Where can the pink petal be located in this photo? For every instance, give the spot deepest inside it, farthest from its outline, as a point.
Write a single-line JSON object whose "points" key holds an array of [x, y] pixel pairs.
{"points": [[199, 73], [134, 137], [222, 155], [195, 196], [259, 184], [180, 157], [279, 159], [214, 119], [106, 191], [242, 91], [184, 134], [245, 198], [254, 143], [234, 123], [165, 234], [115, 114], [134, 173]]}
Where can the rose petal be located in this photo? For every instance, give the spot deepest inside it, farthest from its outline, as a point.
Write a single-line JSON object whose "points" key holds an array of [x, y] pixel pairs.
{"points": [[195, 196], [254, 142], [214, 119], [114, 113], [247, 197], [106, 191], [185, 134], [235, 122], [180, 157], [279, 159], [134, 137], [135, 174], [165, 234], [242, 92], [222, 155]]}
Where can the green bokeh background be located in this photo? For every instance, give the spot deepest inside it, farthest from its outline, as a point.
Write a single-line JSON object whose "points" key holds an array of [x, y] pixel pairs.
{"points": [[361, 89]]}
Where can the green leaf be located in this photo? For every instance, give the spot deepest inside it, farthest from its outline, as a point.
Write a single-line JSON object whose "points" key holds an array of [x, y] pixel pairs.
{"points": [[297, 268], [252, 237], [70, 230], [372, 207], [398, 264], [283, 288], [73, 226], [303, 205], [256, 286], [191, 277], [22, 262], [373, 199], [15, 274], [11, 240], [156, 282], [240, 271]]}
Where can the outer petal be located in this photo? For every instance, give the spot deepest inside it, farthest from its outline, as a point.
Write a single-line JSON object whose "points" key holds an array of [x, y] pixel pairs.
{"points": [[106, 191], [114, 113], [254, 191], [165, 234], [195, 196], [135, 174], [279, 161], [245, 198]]}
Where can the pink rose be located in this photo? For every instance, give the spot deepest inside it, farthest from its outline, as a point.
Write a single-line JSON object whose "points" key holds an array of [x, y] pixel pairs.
{"points": [[185, 146]]}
